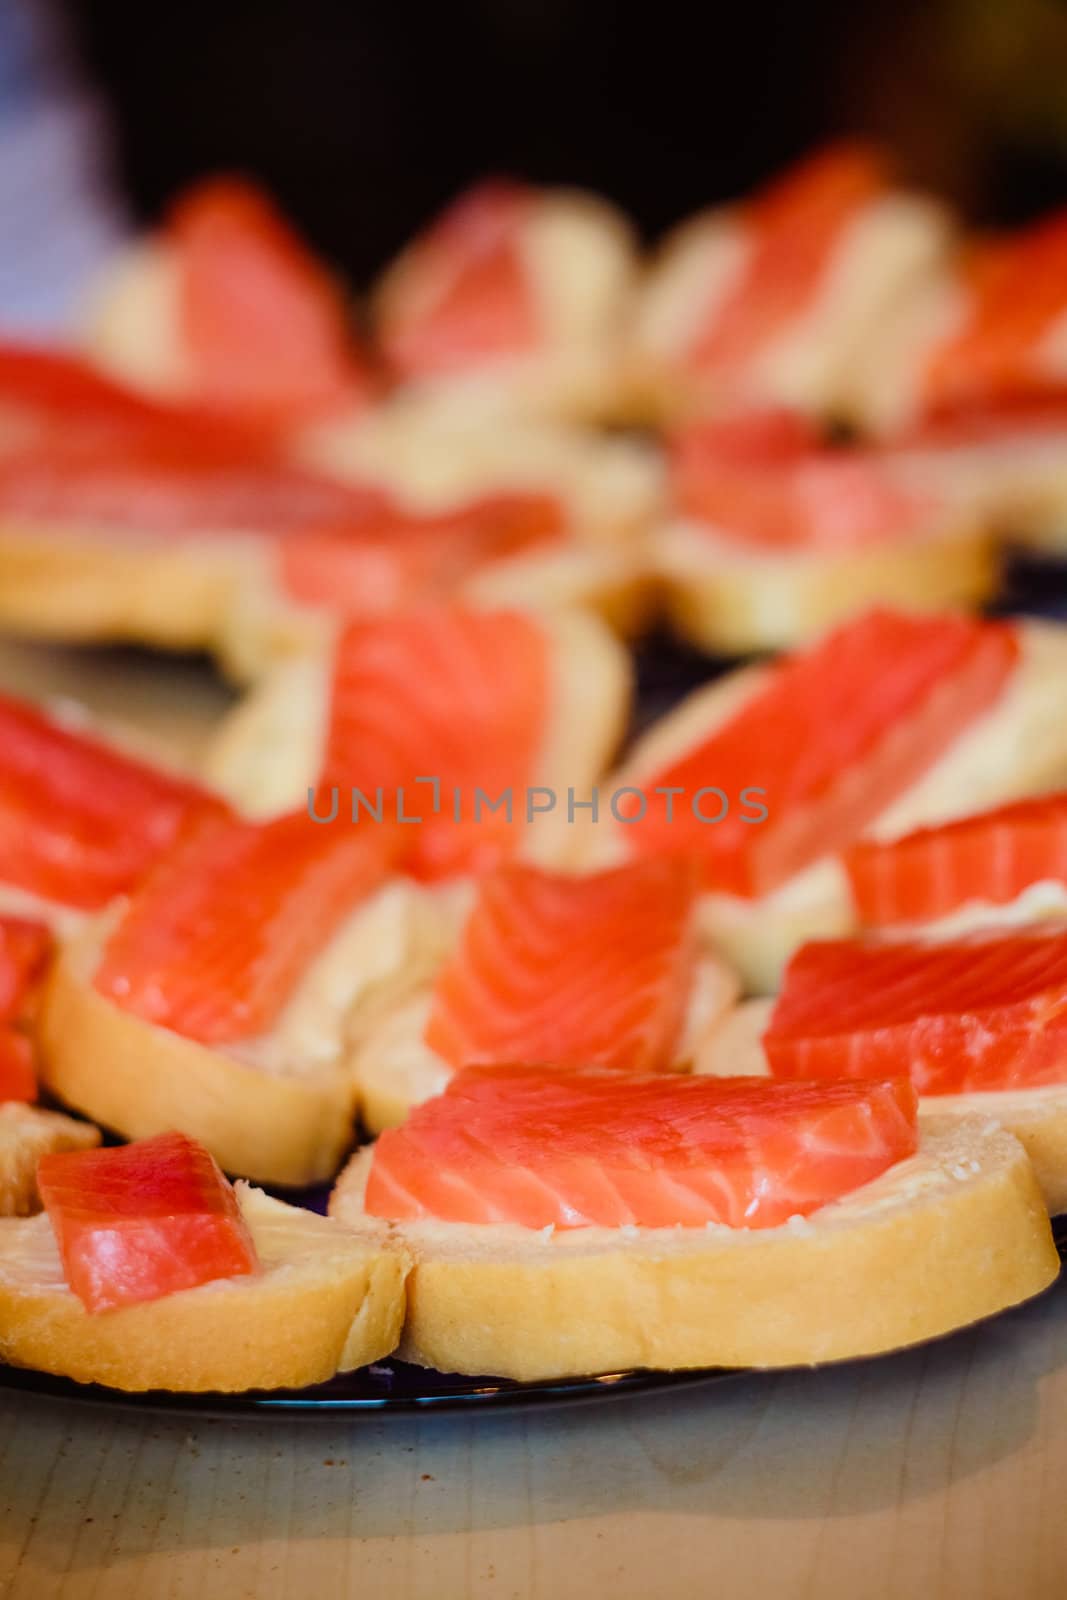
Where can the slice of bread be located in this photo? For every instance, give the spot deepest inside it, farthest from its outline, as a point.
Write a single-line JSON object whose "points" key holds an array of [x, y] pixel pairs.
{"points": [[1017, 748], [278, 1109], [730, 600], [1037, 1117], [951, 1235], [26, 1134], [325, 1301]]}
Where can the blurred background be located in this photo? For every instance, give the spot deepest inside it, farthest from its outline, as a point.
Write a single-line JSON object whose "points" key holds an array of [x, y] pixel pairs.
{"points": [[363, 118]]}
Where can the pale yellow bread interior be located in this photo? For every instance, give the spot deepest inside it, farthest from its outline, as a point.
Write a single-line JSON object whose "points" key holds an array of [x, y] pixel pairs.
{"points": [[396, 1070], [94, 585], [1016, 748], [945, 1238], [1037, 1117], [27, 1133], [269, 751], [889, 248], [579, 256], [324, 1301], [730, 600]]}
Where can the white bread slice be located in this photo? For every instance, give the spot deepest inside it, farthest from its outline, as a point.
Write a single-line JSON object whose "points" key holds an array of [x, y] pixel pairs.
{"points": [[269, 752], [26, 1134], [396, 1070], [889, 248], [580, 258], [731, 600], [1037, 1117], [94, 585], [325, 1301], [278, 1109], [953, 1234], [1017, 748]]}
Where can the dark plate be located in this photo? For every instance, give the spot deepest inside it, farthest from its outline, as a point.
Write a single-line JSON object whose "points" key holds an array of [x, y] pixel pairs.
{"points": [[388, 1386]]}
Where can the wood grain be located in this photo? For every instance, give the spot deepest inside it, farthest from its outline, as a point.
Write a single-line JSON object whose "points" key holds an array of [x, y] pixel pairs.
{"points": [[937, 1473]]}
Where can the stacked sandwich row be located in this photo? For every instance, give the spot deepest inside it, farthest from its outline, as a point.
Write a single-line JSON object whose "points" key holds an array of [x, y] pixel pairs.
{"points": [[818, 397], [412, 892]]}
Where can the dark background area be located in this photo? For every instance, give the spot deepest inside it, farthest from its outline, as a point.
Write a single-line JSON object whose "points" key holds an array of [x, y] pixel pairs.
{"points": [[364, 117]]}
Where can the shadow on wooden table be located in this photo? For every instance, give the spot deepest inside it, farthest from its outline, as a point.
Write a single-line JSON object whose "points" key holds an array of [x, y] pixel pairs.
{"points": [[86, 1487]]}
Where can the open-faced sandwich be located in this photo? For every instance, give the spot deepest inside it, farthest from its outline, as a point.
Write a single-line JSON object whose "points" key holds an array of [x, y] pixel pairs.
{"points": [[479, 724], [512, 301], [570, 1221], [215, 997], [773, 533], [767, 775], [773, 300], [224, 308], [601, 969], [148, 1271]]}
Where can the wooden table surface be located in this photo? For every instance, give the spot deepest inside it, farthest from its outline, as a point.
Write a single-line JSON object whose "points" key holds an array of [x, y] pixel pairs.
{"points": [[937, 1474]]}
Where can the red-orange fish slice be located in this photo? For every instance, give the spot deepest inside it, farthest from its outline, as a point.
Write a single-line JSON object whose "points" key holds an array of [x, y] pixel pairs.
{"points": [[25, 950], [570, 970], [770, 479], [471, 299], [218, 936], [448, 694], [837, 733], [48, 392], [396, 559], [143, 1221], [79, 821], [992, 857], [796, 225], [1019, 292], [598, 1148], [266, 328], [984, 1012], [176, 474]]}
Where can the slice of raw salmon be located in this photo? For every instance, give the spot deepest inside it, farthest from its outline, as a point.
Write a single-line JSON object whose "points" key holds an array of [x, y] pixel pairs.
{"points": [[1018, 289], [795, 227], [468, 296], [142, 1221], [837, 733], [222, 930], [593, 1147], [266, 328], [456, 697], [990, 857], [400, 559], [79, 821], [570, 970], [25, 951], [770, 479], [984, 1012]]}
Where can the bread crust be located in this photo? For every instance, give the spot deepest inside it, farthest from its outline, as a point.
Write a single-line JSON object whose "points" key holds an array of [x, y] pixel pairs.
{"points": [[325, 1301], [954, 1234], [27, 1133], [93, 587], [730, 602], [138, 1079]]}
